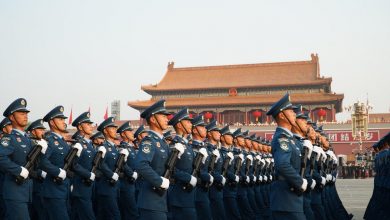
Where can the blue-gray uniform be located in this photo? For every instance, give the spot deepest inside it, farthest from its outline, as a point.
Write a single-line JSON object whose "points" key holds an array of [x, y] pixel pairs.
{"points": [[127, 200], [37, 211], [107, 193], [3, 123], [250, 189], [216, 195], [242, 193], [202, 201], [82, 193], [230, 189], [182, 202], [14, 149], [150, 164], [55, 196]]}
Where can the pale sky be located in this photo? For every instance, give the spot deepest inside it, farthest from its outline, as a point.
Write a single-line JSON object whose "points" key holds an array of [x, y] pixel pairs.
{"points": [[87, 53]]}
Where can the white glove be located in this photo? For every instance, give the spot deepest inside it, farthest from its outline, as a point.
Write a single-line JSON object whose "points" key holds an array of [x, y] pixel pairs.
{"points": [[211, 179], [323, 181], [237, 179], [247, 179], [79, 148], [193, 181], [103, 150], [24, 173], [203, 151], [270, 178], [43, 144], [115, 176], [318, 151], [250, 157], [223, 181], [180, 148], [333, 179], [216, 153], [262, 161], [265, 178], [304, 185], [43, 174], [309, 146], [254, 179], [328, 177], [261, 178], [124, 152], [165, 183], [258, 158], [62, 174], [241, 156], [92, 177], [231, 156], [313, 184], [135, 175]]}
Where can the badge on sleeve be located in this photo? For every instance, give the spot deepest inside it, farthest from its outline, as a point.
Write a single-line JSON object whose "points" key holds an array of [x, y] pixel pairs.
{"points": [[283, 142], [146, 149], [5, 141]]}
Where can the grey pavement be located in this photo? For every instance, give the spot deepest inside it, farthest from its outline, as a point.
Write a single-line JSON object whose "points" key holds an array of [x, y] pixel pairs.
{"points": [[355, 194]]}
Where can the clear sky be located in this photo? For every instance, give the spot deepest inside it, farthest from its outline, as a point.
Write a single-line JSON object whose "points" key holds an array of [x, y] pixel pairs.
{"points": [[86, 53]]}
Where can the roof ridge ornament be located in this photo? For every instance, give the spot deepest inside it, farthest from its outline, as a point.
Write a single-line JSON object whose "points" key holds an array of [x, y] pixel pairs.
{"points": [[171, 65]]}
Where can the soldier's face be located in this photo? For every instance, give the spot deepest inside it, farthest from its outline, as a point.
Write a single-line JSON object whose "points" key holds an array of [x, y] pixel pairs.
{"points": [[129, 135], [290, 116], [312, 133], [187, 125], [111, 132], [142, 135], [7, 129], [248, 143], [201, 130], [216, 135], [162, 120], [302, 123], [38, 133], [21, 118], [87, 128], [228, 139], [60, 124], [240, 141], [255, 145]]}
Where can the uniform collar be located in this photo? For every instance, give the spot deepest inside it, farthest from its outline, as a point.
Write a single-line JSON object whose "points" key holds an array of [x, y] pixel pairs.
{"points": [[286, 130], [111, 143], [58, 135], [19, 131], [155, 133], [87, 140], [197, 142]]}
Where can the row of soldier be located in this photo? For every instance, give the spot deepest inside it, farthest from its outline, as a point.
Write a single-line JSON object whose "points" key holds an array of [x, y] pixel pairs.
{"points": [[202, 172], [378, 206]]}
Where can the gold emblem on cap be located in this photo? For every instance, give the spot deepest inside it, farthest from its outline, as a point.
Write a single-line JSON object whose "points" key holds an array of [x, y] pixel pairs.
{"points": [[129, 123], [88, 114], [41, 121], [112, 119], [62, 109], [202, 117], [23, 102]]}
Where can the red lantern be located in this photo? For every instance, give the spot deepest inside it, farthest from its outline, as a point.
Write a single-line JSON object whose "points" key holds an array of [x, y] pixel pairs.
{"points": [[170, 116], [321, 113], [208, 115], [256, 114]]}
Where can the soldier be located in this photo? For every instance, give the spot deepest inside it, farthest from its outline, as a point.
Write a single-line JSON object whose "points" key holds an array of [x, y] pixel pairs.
{"points": [[83, 181], [5, 128], [150, 163], [286, 202], [181, 196], [36, 131], [107, 187], [139, 134], [127, 200], [56, 185], [202, 201], [229, 190], [252, 178], [97, 139], [216, 194], [14, 148]]}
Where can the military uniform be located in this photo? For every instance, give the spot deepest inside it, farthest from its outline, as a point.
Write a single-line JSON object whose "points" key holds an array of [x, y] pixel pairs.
{"points": [[127, 200], [285, 203], [150, 164], [14, 149], [182, 201], [3, 123], [82, 193]]}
